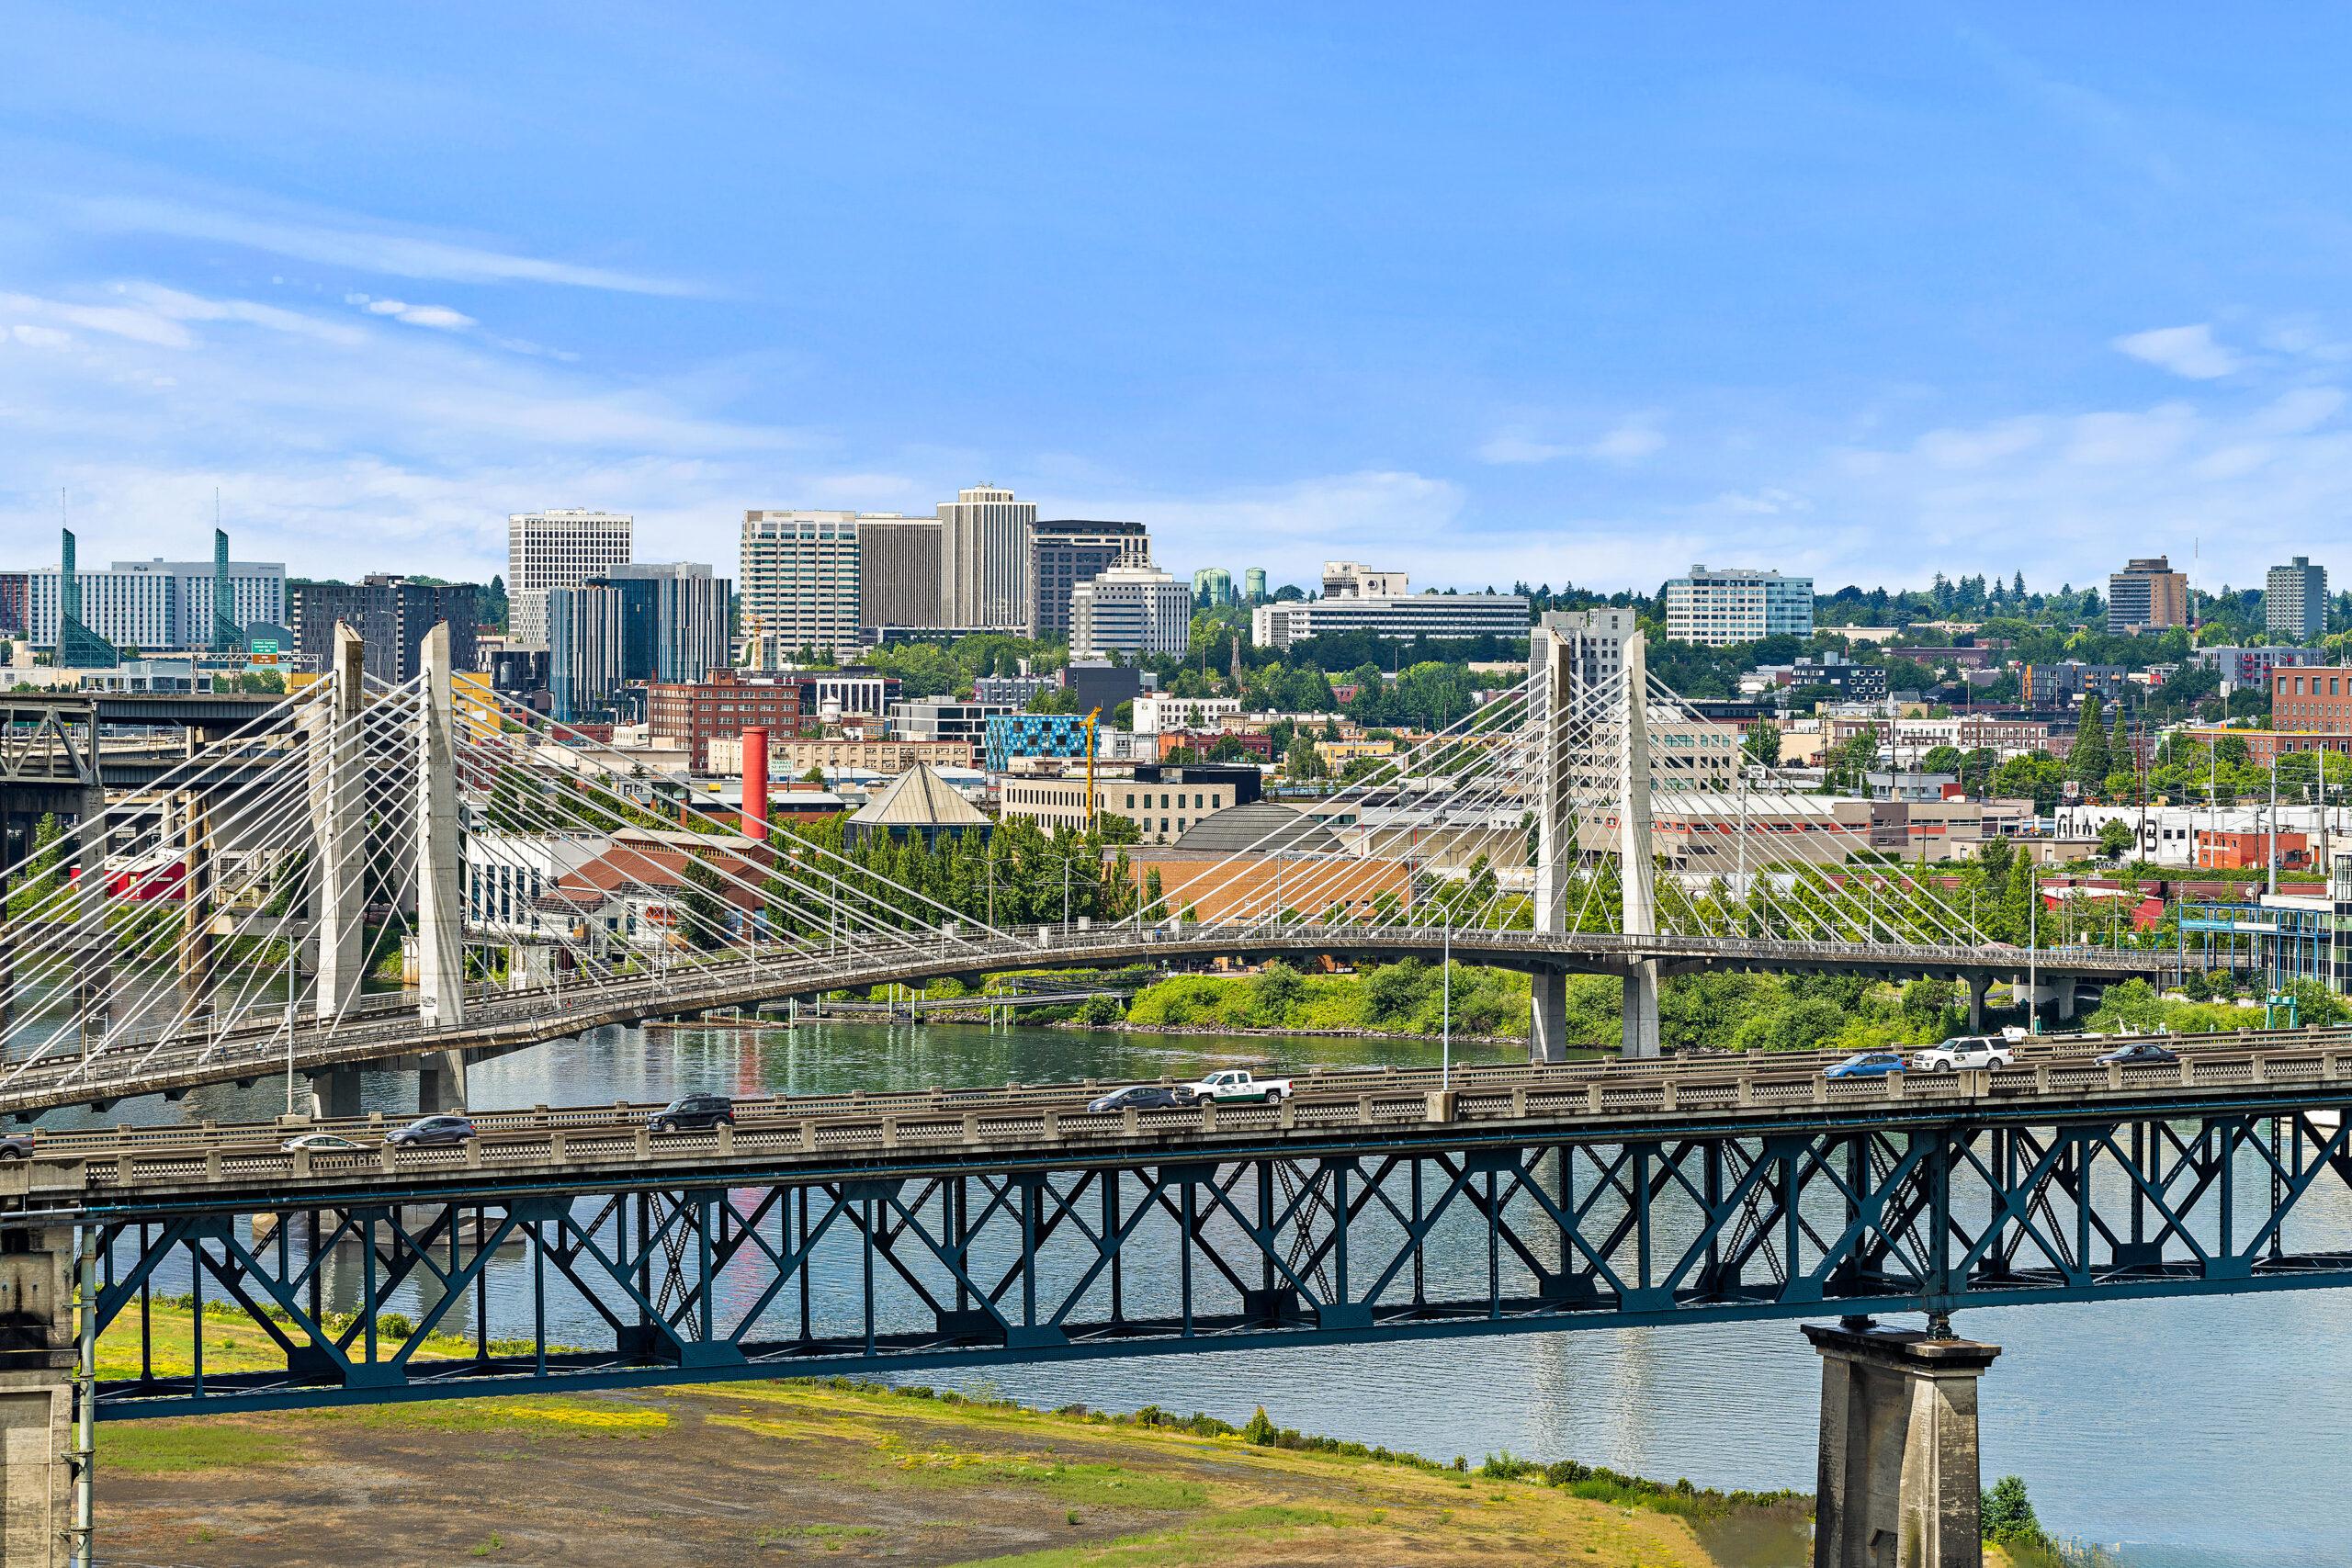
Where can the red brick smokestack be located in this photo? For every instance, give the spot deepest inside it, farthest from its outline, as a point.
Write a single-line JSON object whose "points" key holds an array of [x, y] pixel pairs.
{"points": [[755, 783]]}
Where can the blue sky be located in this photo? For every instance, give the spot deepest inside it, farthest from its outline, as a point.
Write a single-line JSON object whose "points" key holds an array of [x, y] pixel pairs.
{"points": [[1485, 293]]}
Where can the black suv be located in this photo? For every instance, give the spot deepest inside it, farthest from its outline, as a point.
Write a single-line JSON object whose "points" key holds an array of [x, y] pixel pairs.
{"points": [[693, 1113]]}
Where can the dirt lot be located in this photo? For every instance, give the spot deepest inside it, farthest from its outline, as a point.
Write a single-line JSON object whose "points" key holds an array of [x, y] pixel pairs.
{"points": [[766, 1473]]}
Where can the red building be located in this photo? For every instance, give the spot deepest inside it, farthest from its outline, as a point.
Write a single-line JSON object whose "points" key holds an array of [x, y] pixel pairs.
{"points": [[2224, 850], [690, 714], [2318, 699]]}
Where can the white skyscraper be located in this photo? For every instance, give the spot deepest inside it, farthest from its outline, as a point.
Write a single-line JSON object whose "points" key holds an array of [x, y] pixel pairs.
{"points": [[984, 549], [1130, 609], [556, 549], [800, 577]]}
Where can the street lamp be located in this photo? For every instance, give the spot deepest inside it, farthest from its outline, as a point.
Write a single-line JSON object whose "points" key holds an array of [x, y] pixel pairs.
{"points": [[1445, 1005]]}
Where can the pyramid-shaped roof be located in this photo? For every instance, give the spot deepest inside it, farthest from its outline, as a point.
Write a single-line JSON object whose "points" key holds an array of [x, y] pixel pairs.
{"points": [[920, 798]]}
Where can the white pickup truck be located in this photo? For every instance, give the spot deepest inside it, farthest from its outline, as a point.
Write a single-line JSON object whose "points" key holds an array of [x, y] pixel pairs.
{"points": [[1963, 1051], [1235, 1084]]}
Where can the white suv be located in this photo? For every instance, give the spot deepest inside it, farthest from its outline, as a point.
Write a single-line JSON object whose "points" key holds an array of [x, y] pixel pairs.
{"points": [[1965, 1051]]}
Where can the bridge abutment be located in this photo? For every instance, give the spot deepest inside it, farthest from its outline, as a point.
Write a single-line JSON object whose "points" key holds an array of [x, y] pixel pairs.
{"points": [[38, 1447], [1898, 1480]]}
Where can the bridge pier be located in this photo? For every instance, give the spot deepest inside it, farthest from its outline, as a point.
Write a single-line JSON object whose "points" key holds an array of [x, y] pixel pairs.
{"points": [[441, 1082], [1641, 1025], [1547, 1003], [1898, 1482], [1977, 986], [38, 1445], [334, 1094]]}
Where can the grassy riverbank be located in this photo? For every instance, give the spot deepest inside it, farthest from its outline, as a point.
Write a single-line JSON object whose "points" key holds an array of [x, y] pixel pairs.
{"points": [[749, 1472]]}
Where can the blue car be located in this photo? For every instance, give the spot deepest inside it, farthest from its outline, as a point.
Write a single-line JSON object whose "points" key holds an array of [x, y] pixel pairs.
{"points": [[1865, 1065]]}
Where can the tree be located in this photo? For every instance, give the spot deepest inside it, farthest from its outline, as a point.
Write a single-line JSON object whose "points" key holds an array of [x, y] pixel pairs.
{"points": [[1763, 743], [2114, 839], [701, 907], [2087, 763], [2005, 1515], [42, 878], [1301, 761], [2032, 775]]}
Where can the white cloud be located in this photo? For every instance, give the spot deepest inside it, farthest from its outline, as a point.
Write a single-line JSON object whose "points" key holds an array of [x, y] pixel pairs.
{"points": [[342, 243], [1627, 441], [2185, 351], [440, 316], [39, 337]]}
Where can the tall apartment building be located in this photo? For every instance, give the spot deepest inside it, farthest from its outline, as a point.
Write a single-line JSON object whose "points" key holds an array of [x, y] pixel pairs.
{"points": [[392, 616], [984, 545], [802, 584], [1717, 608], [556, 549], [1130, 609], [158, 603], [1353, 580], [586, 658], [2294, 600], [1067, 551], [2147, 594], [899, 570], [674, 618]]}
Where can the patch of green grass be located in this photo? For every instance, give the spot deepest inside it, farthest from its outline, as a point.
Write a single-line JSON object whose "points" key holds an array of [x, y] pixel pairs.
{"points": [[776, 1534], [533, 1414], [1099, 1486], [495, 1543], [1199, 1540], [166, 1447]]}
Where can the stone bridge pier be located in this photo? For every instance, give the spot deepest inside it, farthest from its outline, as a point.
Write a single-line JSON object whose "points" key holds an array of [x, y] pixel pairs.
{"points": [[1898, 1484], [42, 1518]]}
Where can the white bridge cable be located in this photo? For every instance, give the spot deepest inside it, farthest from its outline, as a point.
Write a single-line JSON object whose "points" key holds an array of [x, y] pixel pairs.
{"points": [[619, 764], [1237, 862], [290, 824], [794, 893], [223, 806], [797, 893]]}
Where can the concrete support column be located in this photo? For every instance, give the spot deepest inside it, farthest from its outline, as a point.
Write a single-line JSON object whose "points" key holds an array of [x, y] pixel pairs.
{"points": [[1636, 871], [2063, 992], [36, 1355], [334, 1093], [339, 826], [1977, 986], [1898, 1482], [440, 914], [1547, 1038], [441, 1081]]}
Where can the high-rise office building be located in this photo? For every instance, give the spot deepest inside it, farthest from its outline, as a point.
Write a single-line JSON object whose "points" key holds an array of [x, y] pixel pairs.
{"points": [[984, 547], [2147, 594], [2294, 602], [801, 578], [673, 619], [392, 616], [897, 570], [1067, 551], [1130, 609], [1718, 608], [587, 649], [556, 549]]}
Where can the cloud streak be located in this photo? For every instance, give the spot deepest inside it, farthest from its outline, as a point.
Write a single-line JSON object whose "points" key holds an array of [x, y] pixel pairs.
{"points": [[361, 248], [2188, 351]]}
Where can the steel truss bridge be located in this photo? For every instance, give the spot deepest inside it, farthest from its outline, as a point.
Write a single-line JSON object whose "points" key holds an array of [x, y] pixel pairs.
{"points": [[855, 1234]]}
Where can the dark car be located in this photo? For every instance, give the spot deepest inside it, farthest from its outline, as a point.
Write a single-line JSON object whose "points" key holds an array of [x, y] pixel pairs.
{"points": [[15, 1145], [2139, 1054], [691, 1111], [1146, 1097], [427, 1131]]}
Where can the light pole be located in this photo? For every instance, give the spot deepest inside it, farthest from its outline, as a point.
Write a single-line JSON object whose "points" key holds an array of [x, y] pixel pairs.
{"points": [[289, 1026], [2033, 944]]}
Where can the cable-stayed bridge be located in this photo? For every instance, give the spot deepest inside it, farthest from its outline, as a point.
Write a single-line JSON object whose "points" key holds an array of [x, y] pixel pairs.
{"points": [[365, 874]]}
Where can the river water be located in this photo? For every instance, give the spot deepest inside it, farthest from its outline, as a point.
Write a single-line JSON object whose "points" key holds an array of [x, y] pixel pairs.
{"points": [[2196, 1434]]}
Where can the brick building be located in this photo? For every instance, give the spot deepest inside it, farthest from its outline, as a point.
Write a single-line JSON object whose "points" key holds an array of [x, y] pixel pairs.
{"points": [[689, 714]]}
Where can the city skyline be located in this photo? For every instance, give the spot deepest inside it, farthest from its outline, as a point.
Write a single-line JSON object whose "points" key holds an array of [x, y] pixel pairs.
{"points": [[2021, 295]]}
